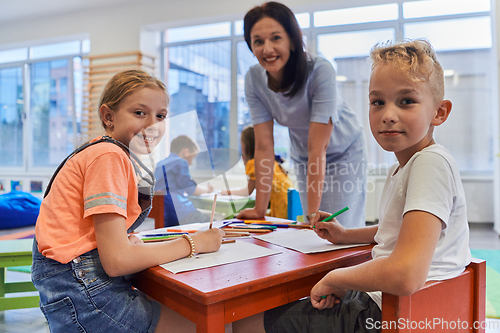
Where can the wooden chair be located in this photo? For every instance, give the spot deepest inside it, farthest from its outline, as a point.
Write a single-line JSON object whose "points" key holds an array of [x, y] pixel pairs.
{"points": [[440, 306], [157, 211]]}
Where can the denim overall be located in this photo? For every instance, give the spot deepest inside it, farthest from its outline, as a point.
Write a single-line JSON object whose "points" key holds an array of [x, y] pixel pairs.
{"points": [[79, 296]]}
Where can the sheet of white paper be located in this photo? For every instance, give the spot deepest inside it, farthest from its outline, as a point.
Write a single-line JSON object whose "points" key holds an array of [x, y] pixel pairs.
{"points": [[228, 253], [302, 240]]}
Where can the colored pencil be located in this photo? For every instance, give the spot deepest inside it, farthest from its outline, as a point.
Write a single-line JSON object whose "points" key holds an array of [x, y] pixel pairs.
{"points": [[165, 234], [182, 230], [213, 211], [334, 215]]}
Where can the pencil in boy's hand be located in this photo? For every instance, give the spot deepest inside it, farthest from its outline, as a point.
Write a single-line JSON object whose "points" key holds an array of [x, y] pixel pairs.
{"points": [[213, 211], [334, 215]]}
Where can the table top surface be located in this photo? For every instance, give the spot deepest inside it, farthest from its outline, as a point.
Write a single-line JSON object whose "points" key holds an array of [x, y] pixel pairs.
{"points": [[214, 284]]}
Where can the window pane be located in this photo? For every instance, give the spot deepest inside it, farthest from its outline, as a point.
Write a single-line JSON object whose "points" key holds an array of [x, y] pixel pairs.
{"points": [[304, 20], [51, 114], [431, 8], [11, 117], [197, 32], [459, 34], [55, 50], [355, 44], [353, 70], [199, 79], [238, 28], [78, 89], [13, 55], [366, 14], [468, 132]]}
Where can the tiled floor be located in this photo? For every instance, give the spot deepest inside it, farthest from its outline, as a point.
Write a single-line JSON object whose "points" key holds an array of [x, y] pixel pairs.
{"points": [[482, 236]]}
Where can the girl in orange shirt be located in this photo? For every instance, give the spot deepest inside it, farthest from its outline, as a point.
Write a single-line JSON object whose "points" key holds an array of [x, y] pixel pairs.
{"points": [[82, 252]]}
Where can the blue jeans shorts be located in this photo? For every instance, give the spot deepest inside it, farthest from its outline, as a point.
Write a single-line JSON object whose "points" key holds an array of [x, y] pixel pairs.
{"points": [[80, 297]]}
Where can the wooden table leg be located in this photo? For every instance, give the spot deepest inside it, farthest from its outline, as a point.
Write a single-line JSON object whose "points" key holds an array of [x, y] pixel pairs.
{"points": [[212, 320]]}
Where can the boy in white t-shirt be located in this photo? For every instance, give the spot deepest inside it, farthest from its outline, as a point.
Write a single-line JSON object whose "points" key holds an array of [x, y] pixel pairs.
{"points": [[422, 233]]}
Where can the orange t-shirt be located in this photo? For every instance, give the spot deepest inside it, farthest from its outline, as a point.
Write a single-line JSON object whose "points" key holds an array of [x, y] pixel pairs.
{"points": [[100, 179]]}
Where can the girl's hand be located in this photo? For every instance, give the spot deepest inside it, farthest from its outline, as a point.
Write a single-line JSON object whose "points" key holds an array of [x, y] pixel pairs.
{"points": [[133, 239], [225, 192], [332, 230], [324, 296], [249, 214], [208, 240]]}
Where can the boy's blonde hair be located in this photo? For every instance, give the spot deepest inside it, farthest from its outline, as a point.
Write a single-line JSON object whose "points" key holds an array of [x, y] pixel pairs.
{"points": [[123, 84], [416, 58]]}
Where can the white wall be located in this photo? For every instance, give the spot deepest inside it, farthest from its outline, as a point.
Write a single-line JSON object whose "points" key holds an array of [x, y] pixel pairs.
{"points": [[132, 26]]}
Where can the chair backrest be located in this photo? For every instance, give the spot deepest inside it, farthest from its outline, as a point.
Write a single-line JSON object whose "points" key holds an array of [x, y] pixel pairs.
{"points": [[440, 306], [157, 211], [294, 206]]}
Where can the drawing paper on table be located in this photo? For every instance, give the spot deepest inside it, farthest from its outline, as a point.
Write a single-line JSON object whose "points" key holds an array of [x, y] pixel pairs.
{"points": [[228, 253], [302, 240]]}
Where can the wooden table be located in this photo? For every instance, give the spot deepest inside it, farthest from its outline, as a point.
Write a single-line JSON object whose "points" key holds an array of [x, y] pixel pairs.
{"points": [[213, 297]]}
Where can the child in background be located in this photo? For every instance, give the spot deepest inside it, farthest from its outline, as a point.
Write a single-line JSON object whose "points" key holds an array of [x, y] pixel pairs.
{"points": [[173, 179], [422, 233], [281, 182], [82, 251]]}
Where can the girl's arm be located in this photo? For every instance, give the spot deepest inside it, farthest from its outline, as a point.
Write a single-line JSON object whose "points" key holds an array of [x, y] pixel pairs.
{"points": [[264, 170], [319, 136], [402, 273], [119, 256]]}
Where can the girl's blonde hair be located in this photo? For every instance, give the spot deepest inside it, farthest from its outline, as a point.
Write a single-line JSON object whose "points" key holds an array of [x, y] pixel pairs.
{"points": [[415, 58], [123, 84]]}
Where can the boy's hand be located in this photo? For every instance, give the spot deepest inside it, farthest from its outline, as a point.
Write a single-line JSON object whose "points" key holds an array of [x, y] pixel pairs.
{"points": [[210, 188], [208, 240], [324, 296], [332, 230]]}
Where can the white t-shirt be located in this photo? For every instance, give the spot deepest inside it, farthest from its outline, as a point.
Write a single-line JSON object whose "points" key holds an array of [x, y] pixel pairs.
{"points": [[429, 182]]}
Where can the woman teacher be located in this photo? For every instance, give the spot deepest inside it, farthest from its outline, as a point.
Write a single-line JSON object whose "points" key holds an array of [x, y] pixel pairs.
{"points": [[299, 91]]}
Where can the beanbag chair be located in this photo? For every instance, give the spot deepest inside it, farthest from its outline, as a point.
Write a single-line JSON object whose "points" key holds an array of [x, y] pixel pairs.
{"points": [[18, 209]]}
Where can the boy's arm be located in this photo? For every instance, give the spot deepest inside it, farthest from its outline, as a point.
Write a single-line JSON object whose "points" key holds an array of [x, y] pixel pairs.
{"points": [[200, 189], [403, 272]]}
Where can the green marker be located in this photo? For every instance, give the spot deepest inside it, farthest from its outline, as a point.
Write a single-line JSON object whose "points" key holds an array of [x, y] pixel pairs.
{"points": [[334, 215]]}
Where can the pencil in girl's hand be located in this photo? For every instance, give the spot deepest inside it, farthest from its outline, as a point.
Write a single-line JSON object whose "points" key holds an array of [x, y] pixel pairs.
{"points": [[213, 211]]}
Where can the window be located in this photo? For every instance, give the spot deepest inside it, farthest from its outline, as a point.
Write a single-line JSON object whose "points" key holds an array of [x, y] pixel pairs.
{"points": [[11, 117], [45, 122], [460, 31], [199, 79]]}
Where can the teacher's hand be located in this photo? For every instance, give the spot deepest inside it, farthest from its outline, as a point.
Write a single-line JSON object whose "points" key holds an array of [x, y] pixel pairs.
{"points": [[249, 214]]}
